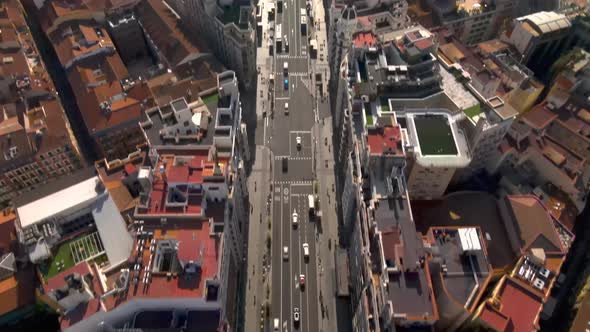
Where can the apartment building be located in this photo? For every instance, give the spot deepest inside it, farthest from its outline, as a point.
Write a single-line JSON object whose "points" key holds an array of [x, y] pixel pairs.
{"points": [[36, 141], [540, 38], [473, 21], [16, 279], [109, 100], [543, 243], [161, 229], [229, 29], [436, 149], [347, 23], [549, 143]]}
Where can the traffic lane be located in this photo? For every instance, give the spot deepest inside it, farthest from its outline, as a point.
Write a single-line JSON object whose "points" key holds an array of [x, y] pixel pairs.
{"points": [[306, 323], [296, 261], [298, 171], [276, 253], [287, 265], [312, 298]]}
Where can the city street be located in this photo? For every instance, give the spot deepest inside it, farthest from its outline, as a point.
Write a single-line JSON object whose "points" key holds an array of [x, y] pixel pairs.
{"points": [[287, 131], [293, 182]]}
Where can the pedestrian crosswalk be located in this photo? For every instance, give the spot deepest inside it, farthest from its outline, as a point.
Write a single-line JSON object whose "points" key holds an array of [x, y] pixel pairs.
{"points": [[292, 158], [299, 74], [306, 183], [293, 57]]}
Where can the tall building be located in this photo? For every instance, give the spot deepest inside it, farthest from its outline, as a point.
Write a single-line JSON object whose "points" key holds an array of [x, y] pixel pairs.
{"points": [[349, 26], [161, 229], [540, 38], [108, 98], [229, 29], [36, 141], [436, 149], [473, 21]]}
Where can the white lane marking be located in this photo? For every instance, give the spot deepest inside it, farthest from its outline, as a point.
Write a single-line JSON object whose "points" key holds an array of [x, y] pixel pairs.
{"points": [[281, 261]]}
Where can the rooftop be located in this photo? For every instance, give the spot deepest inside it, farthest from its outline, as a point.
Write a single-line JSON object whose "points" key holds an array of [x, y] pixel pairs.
{"points": [[468, 210], [25, 75], [165, 30], [546, 22], [364, 39], [534, 225], [105, 95], [176, 188], [74, 196], [195, 242], [434, 135], [465, 271], [518, 304], [385, 140], [163, 313], [84, 310], [163, 126], [409, 288]]}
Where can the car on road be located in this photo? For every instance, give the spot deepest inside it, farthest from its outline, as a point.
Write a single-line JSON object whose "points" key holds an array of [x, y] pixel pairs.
{"points": [[276, 325], [298, 141], [296, 316], [285, 164], [285, 253], [286, 44], [285, 68], [295, 218], [287, 108], [306, 251], [286, 84], [301, 281]]}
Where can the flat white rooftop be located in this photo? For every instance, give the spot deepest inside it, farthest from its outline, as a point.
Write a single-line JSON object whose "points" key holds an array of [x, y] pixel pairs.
{"points": [[53, 204]]}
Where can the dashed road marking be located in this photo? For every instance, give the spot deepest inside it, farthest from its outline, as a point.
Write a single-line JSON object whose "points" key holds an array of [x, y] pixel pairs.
{"points": [[292, 158], [306, 183]]}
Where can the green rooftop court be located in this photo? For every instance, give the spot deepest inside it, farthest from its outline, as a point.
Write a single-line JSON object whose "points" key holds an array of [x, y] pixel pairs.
{"points": [[435, 135], [69, 253]]}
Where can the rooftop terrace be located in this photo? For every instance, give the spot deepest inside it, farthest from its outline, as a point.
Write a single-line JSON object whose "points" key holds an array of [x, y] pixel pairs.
{"points": [[409, 288], [468, 210], [464, 274], [435, 135], [195, 242]]}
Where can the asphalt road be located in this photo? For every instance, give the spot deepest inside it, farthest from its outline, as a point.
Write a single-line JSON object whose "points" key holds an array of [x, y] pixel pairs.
{"points": [[291, 188]]}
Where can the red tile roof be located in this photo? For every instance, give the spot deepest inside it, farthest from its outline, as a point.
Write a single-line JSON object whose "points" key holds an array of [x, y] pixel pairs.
{"points": [[533, 221], [8, 239], [385, 140], [179, 172], [82, 311], [363, 39], [98, 80], [423, 44], [192, 234], [494, 318], [539, 117], [520, 305]]}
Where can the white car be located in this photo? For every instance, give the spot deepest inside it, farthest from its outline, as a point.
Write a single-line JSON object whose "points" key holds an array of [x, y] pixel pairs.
{"points": [[296, 315], [305, 250], [285, 253], [298, 140], [295, 218], [286, 108]]}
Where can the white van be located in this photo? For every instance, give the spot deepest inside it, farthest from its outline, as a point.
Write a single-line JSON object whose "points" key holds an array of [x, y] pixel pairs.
{"points": [[306, 251], [276, 325]]}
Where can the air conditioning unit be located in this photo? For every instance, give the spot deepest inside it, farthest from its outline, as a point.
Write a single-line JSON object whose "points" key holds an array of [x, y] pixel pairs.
{"points": [[539, 284]]}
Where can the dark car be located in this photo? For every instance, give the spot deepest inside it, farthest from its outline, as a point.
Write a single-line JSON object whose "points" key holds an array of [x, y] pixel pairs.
{"points": [[285, 164]]}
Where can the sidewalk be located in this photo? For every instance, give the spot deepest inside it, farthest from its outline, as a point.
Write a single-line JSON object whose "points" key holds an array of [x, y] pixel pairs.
{"points": [[258, 185]]}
